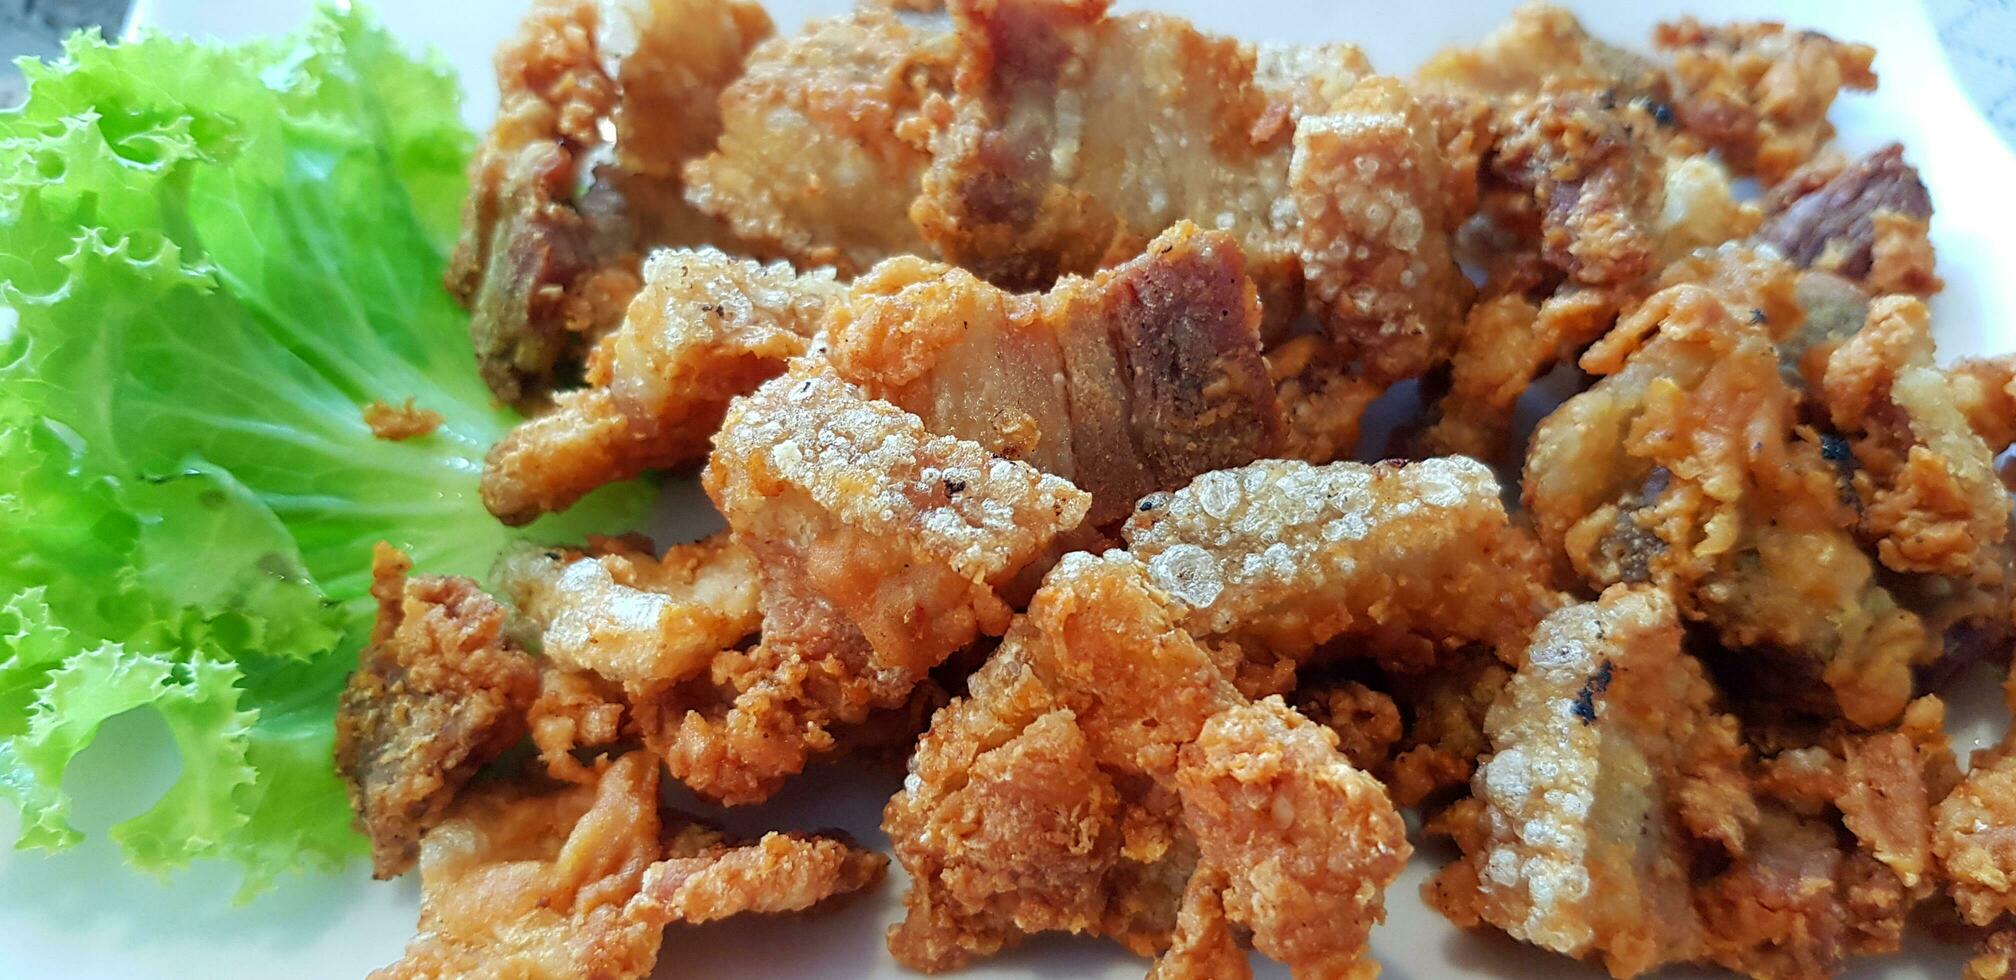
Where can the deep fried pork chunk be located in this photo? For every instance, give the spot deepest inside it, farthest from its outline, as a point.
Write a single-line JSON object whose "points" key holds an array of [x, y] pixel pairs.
{"points": [[1683, 467], [581, 881], [1974, 834], [578, 177], [438, 693], [1597, 179], [1985, 390], [1542, 47], [1931, 501], [1103, 776], [1283, 557], [1759, 92], [1843, 217], [1622, 816], [704, 329], [1607, 756], [1072, 136], [882, 550], [630, 616], [824, 146], [1133, 381]]}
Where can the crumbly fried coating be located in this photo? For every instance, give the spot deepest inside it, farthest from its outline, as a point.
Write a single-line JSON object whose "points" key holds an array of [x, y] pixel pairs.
{"points": [[1444, 733], [580, 882], [1994, 957], [576, 710], [1367, 722], [1843, 217], [1614, 208], [577, 178], [1597, 179], [1322, 401], [438, 693], [625, 614], [1974, 832], [1985, 390], [1132, 381], [1683, 468], [1283, 557], [1931, 501], [1758, 92], [824, 145], [1607, 753], [882, 550], [704, 329], [1100, 777], [396, 423], [1841, 855], [1541, 47]]}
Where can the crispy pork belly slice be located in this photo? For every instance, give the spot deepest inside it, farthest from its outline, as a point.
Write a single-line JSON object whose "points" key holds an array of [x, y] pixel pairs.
{"points": [[1103, 776], [1368, 183], [438, 693], [558, 883], [1284, 557], [578, 177], [1578, 837], [1073, 136], [1133, 381], [823, 145], [882, 550], [630, 616], [704, 329]]}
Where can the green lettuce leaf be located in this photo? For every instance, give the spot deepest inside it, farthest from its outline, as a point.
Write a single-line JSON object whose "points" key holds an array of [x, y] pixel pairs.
{"points": [[211, 257]]}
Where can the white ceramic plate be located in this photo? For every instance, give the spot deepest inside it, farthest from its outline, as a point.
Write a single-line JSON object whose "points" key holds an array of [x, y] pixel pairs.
{"points": [[83, 915]]}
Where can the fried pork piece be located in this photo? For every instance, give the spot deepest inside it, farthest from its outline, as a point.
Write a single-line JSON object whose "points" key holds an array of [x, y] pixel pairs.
{"points": [[581, 881], [1367, 722], [824, 146], [1597, 179], [1757, 92], [1994, 958], [1133, 381], [1603, 221], [1683, 468], [704, 329], [1609, 757], [1444, 736], [1283, 557], [1985, 390], [1374, 237], [578, 177], [1843, 218], [1974, 834], [882, 550], [1841, 854], [1931, 501], [641, 620], [438, 693], [1322, 402], [1542, 47], [1103, 776], [1072, 136]]}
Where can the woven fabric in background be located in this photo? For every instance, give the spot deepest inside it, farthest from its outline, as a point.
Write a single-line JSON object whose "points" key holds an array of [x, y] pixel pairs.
{"points": [[37, 27]]}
